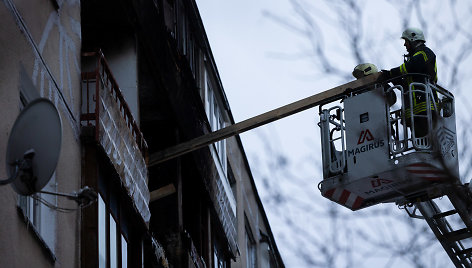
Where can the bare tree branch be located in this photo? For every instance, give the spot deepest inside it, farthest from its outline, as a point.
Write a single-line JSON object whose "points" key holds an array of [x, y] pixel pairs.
{"points": [[322, 233]]}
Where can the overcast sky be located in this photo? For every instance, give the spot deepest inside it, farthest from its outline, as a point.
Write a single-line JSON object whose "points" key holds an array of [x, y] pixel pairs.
{"points": [[256, 78]]}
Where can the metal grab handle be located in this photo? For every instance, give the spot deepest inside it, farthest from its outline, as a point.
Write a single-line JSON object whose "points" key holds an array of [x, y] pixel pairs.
{"points": [[422, 143], [394, 142], [337, 165]]}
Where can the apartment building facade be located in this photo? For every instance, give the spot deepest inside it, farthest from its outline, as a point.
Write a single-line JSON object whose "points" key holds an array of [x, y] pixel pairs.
{"points": [[129, 79]]}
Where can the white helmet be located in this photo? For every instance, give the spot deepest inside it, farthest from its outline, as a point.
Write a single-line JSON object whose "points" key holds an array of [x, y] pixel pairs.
{"points": [[364, 69], [413, 34]]}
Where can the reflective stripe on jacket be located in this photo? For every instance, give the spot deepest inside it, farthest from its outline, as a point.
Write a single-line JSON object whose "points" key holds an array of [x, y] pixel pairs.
{"points": [[422, 61]]}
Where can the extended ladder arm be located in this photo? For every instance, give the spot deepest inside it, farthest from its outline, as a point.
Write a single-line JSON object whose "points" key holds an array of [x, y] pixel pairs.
{"points": [[453, 240], [265, 118]]}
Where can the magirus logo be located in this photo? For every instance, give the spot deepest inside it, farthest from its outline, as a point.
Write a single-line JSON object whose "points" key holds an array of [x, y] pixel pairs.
{"points": [[365, 135], [368, 143]]}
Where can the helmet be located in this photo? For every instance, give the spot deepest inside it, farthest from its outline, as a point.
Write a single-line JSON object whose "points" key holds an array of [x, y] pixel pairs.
{"points": [[413, 34], [364, 69]]}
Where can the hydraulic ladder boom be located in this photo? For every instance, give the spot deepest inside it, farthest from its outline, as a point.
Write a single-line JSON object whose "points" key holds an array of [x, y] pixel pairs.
{"points": [[265, 118], [452, 240], [460, 196]]}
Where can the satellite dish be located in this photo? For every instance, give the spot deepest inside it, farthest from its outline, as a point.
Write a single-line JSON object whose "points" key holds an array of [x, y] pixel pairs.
{"points": [[33, 147]]}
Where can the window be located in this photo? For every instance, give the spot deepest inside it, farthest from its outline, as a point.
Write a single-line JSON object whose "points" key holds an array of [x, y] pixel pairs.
{"points": [[117, 228], [250, 248], [112, 244], [193, 57], [102, 243], [182, 28], [218, 261], [220, 254], [41, 217], [116, 223], [202, 79], [216, 119], [124, 252], [232, 180], [113, 220], [169, 16]]}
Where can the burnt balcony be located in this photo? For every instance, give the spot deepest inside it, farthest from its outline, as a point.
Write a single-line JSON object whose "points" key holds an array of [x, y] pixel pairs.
{"points": [[105, 112]]}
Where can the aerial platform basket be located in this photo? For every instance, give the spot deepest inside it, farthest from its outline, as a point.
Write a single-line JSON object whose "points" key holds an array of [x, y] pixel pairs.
{"points": [[373, 154]]}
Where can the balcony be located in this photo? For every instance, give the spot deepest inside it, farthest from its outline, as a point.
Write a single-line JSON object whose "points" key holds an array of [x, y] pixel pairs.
{"points": [[105, 111]]}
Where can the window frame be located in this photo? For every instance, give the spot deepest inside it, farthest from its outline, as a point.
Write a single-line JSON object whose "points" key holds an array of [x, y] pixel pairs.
{"points": [[251, 247], [111, 195], [40, 218], [216, 117]]}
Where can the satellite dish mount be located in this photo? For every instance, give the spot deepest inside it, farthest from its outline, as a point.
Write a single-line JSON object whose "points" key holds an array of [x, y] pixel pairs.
{"points": [[23, 170]]}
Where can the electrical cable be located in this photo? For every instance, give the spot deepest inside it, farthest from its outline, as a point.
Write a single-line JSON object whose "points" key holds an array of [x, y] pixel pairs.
{"points": [[58, 208]]}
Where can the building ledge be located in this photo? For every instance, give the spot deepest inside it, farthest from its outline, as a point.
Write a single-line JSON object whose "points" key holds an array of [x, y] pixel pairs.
{"points": [[30, 226]]}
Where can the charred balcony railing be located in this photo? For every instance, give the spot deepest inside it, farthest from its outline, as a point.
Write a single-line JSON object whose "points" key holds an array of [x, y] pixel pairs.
{"points": [[196, 259], [105, 110], [103, 74]]}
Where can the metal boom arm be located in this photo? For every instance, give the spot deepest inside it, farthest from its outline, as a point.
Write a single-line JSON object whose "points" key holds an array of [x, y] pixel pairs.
{"points": [[262, 119]]}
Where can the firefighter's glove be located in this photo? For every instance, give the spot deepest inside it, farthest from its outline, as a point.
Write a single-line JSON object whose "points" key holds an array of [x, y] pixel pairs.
{"points": [[386, 74]]}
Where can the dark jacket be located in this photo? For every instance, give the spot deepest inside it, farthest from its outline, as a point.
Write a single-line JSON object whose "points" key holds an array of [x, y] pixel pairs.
{"points": [[421, 60]]}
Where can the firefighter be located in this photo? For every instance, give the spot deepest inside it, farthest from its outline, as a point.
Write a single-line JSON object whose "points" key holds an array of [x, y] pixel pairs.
{"points": [[419, 60], [365, 69]]}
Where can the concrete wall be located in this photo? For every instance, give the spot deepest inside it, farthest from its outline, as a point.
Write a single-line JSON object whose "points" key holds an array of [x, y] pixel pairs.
{"points": [[250, 213], [45, 44]]}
